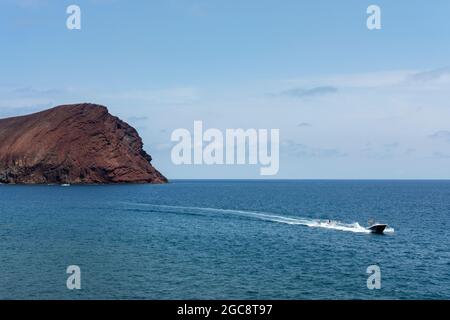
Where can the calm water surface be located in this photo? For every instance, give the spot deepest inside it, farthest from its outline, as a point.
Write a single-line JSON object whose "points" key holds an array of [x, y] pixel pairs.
{"points": [[226, 240]]}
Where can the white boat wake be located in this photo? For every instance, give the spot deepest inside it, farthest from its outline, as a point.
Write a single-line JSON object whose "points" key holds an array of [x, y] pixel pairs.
{"points": [[313, 223]]}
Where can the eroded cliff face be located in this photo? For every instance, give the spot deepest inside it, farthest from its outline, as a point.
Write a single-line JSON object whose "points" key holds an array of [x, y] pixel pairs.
{"points": [[76, 144]]}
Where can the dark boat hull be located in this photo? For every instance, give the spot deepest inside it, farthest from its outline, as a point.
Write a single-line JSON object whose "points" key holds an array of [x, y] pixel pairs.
{"points": [[377, 228]]}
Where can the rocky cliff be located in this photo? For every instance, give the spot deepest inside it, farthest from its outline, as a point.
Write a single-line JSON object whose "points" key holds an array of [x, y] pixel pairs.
{"points": [[76, 144]]}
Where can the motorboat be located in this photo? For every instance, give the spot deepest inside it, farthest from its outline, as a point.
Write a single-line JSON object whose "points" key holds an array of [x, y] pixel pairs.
{"points": [[377, 228]]}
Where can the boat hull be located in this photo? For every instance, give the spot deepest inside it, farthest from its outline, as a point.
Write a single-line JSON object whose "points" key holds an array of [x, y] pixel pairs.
{"points": [[377, 228]]}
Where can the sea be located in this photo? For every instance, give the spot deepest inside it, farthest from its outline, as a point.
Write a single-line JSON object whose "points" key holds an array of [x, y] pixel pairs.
{"points": [[226, 239]]}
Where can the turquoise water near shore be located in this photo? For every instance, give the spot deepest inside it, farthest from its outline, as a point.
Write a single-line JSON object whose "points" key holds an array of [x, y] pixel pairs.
{"points": [[226, 240]]}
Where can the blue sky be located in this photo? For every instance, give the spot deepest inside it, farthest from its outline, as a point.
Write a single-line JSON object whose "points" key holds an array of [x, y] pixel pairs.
{"points": [[349, 102]]}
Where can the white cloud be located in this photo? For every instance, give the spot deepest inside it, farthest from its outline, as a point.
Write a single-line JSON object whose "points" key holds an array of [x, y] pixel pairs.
{"points": [[300, 150], [441, 74], [394, 110], [310, 92], [441, 135]]}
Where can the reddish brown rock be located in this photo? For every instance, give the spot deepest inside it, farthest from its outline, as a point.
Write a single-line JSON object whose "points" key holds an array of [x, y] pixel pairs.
{"points": [[76, 144]]}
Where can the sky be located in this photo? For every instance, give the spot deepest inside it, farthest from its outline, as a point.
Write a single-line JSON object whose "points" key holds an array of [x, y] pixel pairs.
{"points": [[350, 103]]}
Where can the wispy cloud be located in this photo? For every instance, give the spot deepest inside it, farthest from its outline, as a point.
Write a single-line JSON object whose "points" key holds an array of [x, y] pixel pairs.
{"points": [[379, 79], [20, 111], [431, 75], [372, 80], [443, 135], [26, 92], [441, 155], [17, 100], [385, 151], [137, 118], [312, 92], [393, 145], [300, 150]]}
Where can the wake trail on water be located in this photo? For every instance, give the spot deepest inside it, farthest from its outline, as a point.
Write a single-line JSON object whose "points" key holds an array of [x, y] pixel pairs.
{"points": [[309, 222]]}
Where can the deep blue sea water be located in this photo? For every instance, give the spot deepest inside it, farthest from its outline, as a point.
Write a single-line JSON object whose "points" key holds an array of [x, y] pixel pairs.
{"points": [[226, 240]]}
